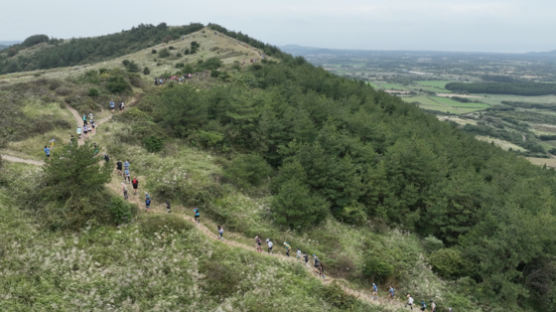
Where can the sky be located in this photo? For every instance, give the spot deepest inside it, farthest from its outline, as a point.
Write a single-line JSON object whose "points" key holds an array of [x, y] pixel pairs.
{"points": [[433, 25]]}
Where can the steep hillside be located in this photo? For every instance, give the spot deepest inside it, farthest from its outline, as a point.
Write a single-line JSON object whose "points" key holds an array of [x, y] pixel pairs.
{"points": [[266, 144]]}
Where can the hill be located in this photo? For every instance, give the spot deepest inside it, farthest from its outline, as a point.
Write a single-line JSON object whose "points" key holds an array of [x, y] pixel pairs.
{"points": [[265, 144]]}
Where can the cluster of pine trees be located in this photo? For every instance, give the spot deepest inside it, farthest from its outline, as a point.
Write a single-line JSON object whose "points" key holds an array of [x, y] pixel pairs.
{"points": [[336, 146]]}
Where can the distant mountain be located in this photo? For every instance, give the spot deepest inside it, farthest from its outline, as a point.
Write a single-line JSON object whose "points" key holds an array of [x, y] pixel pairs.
{"points": [[5, 44]]}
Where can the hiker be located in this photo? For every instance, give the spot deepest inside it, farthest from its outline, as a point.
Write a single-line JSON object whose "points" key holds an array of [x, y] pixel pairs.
{"points": [[450, 310], [258, 243], [47, 151], [122, 106], [93, 125], [91, 117], [84, 119], [85, 129], [197, 215], [167, 205], [433, 306], [112, 106], [375, 291], [147, 195], [124, 190], [306, 258], [321, 270], [126, 165], [96, 149], [135, 184], [106, 158], [287, 248], [316, 261], [269, 244], [298, 254], [147, 202], [78, 131], [119, 167], [391, 291], [127, 177], [220, 232], [410, 301], [423, 305]]}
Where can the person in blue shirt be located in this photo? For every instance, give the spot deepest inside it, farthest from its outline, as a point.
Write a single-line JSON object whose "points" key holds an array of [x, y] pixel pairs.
{"points": [[391, 291], [112, 105], [197, 214], [47, 151], [126, 165], [375, 291]]}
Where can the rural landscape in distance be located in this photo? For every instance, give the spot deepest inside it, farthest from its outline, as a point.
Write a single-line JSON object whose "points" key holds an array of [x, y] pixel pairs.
{"points": [[187, 166]]}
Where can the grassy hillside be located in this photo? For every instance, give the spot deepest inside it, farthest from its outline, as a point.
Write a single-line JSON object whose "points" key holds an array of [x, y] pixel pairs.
{"points": [[275, 147]]}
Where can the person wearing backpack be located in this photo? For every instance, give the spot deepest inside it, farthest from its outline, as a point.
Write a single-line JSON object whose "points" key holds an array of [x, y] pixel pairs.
{"points": [[270, 244], [220, 232], [135, 184], [306, 258], [47, 151], [410, 301], [147, 203], [287, 246], [197, 215], [423, 305], [375, 292], [124, 190], [119, 167], [112, 106], [433, 306], [391, 291]]}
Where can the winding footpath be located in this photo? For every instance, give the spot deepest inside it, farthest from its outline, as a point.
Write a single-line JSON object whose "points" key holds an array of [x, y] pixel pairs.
{"points": [[115, 186]]}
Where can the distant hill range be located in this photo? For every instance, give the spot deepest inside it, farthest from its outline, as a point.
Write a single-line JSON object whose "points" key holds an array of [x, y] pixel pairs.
{"points": [[304, 51], [5, 44]]}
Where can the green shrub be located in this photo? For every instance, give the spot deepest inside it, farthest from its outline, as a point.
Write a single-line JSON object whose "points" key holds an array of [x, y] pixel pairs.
{"points": [[334, 295], [294, 206], [121, 211], [353, 214], [93, 92], [131, 66], [153, 143], [448, 263], [34, 40], [376, 269], [221, 279], [212, 64], [146, 70], [432, 244], [117, 84], [151, 224], [164, 53], [247, 170], [153, 51]]}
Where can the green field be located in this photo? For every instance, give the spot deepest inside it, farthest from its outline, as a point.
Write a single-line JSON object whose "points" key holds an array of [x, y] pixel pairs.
{"points": [[445, 105]]}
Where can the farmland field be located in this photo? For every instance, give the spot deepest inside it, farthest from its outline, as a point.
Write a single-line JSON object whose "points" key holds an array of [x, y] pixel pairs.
{"points": [[523, 123]]}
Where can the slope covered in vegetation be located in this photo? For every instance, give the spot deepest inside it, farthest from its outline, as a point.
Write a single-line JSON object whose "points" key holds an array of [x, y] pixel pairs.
{"points": [[285, 150]]}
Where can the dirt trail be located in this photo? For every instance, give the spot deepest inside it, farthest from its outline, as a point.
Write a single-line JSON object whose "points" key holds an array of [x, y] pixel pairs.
{"points": [[22, 160], [116, 186], [159, 208], [79, 121]]}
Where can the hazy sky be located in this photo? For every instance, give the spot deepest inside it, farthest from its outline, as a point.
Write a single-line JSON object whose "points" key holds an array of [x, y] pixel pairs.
{"points": [[450, 25]]}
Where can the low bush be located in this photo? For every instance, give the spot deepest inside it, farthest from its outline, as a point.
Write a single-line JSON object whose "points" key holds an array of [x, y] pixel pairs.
{"points": [[376, 269], [247, 170], [121, 211]]}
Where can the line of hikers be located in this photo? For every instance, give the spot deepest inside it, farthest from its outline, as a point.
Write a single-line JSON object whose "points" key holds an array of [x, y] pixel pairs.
{"points": [[158, 81], [317, 264], [112, 106], [89, 125]]}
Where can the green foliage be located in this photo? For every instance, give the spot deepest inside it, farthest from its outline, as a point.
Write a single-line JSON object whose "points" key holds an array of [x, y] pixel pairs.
{"points": [[221, 279], [247, 170], [432, 243], [448, 262], [376, 269], [121, 211], [164, 53], [34, 40], [194, 47], [295, 207], [93, 92], [117, 84], [88, 50], [153, 224], [72, 191], [212, 64], [334, 295], [153, 143], [131, 66], [146, 71]]}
